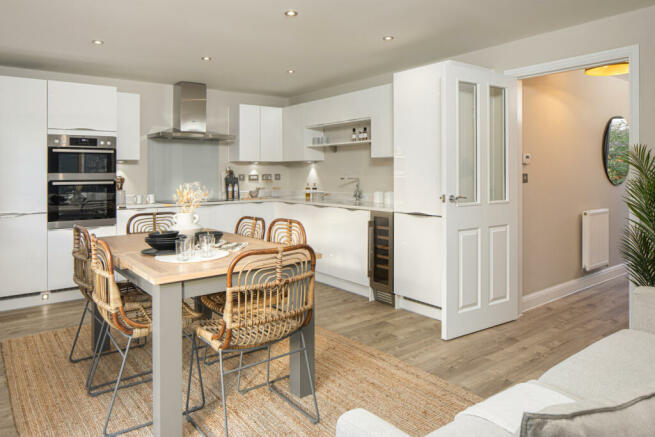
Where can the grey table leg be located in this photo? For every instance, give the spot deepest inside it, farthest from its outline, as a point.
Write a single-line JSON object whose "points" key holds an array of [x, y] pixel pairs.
{"points": [[97, 326], [167, 360], [298, 378]]}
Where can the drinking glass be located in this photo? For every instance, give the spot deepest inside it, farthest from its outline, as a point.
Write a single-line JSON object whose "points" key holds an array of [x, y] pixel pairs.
{"points": [[182, 249], [206, 245]]}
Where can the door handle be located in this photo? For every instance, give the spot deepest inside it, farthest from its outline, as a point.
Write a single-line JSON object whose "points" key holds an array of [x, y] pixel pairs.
{"points": [[453, 199]]}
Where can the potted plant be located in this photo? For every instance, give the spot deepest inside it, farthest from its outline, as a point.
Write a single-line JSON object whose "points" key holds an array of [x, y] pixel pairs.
{"points": [[188, 197], [639, 237]]}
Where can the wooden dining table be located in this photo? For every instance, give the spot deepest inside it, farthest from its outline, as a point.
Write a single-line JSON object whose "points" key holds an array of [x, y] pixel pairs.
{"points": [[169, 284]]}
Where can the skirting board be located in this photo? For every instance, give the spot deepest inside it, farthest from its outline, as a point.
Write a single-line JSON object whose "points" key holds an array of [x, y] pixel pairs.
{"points": [[555, 292], [418, 308], [32, 301], [362, 290]]}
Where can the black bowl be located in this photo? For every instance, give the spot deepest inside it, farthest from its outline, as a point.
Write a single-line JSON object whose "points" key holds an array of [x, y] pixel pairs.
{"points": [[159, 244], [163, 234]]}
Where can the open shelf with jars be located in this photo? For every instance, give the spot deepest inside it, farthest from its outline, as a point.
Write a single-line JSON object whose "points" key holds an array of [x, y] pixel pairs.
{"points": [[343, 133]]}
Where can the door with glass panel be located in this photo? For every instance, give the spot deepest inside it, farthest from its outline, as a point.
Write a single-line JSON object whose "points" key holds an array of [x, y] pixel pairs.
{"points": [[481, 181]]}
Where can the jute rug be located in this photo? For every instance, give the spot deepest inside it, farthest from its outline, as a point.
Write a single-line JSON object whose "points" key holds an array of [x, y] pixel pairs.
{"points": [[49, 399]]}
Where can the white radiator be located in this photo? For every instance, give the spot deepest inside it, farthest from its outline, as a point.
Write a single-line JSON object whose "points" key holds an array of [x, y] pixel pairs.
{"points": [[595, 238]]}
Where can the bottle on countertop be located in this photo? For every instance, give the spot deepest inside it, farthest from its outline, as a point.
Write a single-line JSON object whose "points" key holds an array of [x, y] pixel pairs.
{"points": [[365, 134], [314, 187], [308, 192], [355, 136], [360, 137]]}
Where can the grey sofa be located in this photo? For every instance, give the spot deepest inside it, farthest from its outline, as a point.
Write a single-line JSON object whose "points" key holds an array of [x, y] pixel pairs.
{"points": [[611, 371]]}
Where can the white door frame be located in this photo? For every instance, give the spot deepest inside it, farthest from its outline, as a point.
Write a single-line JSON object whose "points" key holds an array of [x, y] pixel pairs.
{"points": [[628, 53]]}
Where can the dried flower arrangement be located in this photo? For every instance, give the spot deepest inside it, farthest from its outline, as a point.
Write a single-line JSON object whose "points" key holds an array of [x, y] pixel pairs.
{"points": [[188, 196]]}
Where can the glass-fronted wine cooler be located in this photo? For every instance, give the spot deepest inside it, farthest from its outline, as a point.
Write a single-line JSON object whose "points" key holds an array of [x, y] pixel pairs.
{"points": [[380, 256]]}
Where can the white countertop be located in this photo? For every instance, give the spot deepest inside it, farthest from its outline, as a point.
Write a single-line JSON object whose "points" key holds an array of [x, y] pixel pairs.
{"points": [[336, 203]]}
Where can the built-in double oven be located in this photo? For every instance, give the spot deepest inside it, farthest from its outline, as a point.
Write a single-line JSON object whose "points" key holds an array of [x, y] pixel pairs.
{"points": [[81, 180]]}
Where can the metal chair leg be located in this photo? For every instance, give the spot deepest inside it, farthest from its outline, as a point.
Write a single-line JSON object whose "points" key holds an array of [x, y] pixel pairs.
{"points": [[96, 356], [194, 351], [77, 335], [113, 398], [220, 358], [239, 373]]}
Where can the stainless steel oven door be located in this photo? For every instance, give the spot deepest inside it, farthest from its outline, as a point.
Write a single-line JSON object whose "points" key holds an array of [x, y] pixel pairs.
{"points": [[66, 163], [90, 203]]}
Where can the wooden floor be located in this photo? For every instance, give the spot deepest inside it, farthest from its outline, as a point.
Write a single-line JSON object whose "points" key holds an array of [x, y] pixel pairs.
{"points": [[484, 363]]}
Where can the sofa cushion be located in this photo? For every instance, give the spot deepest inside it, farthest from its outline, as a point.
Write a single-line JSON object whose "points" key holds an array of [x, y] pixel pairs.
{"points": [[635, 418], [613, 370], [469, 426], [362, 423], [505, 409]]}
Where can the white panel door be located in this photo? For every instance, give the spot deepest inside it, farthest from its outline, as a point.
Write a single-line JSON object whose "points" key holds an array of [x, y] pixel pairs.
{"points": [[270, 131], [128, 142], [81, 106], [418, 260], [23, 258], [481, 179], [417, 140], [249, 133], [23, 144]]}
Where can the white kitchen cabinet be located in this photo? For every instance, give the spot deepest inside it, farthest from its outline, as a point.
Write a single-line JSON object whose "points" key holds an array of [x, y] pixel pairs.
{"points": [[23, 139], [296, 136], [270, 132], [417, 140], [227, 215], [259, 133], [418, 252], [128, 142], [60, 258], [23, 258], [82, 106]]}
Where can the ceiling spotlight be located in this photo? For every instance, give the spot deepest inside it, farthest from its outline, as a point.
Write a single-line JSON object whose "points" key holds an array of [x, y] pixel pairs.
{"points": [[291, 71], [387, 38], [97, 42], [206, 58], [291, 13]]}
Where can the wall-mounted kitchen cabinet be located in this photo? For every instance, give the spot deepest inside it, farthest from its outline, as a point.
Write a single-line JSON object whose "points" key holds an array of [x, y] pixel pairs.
{"points": [[128, 144], [259, 133], [82, 106], [372, 106], [296, 136]]}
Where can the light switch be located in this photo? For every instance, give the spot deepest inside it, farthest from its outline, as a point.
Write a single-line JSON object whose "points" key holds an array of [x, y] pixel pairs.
{"points": [[525, 178]]}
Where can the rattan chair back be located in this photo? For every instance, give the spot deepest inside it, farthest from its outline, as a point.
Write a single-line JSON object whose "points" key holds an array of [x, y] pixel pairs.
{"points": [[150, 222], [253, 227], [82, 275], [286, 231], [270, 295], [107, 296]]}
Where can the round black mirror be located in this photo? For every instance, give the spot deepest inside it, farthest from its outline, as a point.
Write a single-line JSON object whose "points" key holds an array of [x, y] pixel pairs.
{"points": [[616, 144]]}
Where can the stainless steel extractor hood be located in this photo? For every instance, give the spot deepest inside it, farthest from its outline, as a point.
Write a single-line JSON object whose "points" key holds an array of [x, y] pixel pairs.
{"points": [[190, 116]]}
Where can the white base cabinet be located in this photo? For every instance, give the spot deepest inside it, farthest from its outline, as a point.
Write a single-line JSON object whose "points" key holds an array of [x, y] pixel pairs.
{"points": [[23, 258], [60, 258], [418, 263]]}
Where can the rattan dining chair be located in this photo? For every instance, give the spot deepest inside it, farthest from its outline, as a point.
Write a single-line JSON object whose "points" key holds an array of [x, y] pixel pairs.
{"points": [[132, 319], [247, 226], [83, 278], [286, 231], [150, 222], [253, 227], [270, 296]]}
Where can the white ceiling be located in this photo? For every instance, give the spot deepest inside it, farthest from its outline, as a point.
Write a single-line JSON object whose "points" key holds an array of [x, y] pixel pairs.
{"points": [[253, 44]]}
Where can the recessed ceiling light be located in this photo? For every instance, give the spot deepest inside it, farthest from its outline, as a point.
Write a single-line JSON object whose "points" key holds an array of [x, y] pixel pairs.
{"points": [[206, 58], [98, 42], [291, 71], [387, 38], [291, 13]]}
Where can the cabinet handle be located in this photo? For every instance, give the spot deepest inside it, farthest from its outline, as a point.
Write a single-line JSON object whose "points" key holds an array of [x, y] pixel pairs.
{"points": [[371, 245]]}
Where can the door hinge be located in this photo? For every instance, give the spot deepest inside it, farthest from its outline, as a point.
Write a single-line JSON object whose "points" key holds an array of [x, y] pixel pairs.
{"points": [[443, 198]]}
